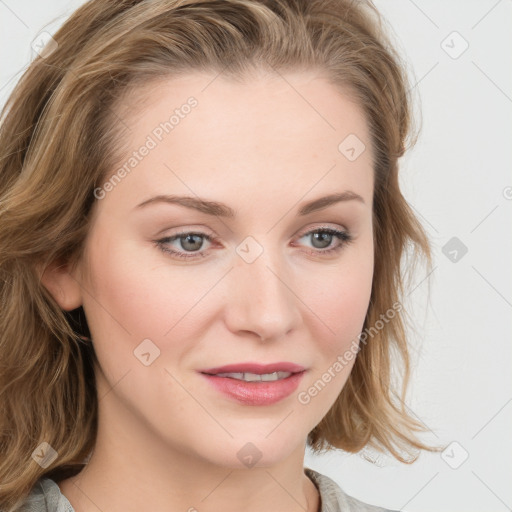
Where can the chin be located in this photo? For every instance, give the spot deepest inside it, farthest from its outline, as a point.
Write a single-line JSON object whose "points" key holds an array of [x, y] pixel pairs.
{"points": [[256, 450]]}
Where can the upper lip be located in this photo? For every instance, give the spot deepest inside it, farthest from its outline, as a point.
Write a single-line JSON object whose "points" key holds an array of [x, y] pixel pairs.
{"points": [[256, 368]]}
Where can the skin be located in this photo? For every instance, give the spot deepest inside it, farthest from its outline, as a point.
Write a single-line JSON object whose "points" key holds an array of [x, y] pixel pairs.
{"points": [[167, 439]]}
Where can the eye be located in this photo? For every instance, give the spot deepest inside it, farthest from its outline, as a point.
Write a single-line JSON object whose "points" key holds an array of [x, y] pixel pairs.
{"points": [[324, 237], [190, 242]]}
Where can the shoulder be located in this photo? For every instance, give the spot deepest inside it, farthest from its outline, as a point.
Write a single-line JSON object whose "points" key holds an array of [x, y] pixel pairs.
{"points": [[334, 499], [45, 496]]}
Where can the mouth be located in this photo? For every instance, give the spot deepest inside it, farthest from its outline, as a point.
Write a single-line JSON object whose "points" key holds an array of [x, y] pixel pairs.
{"points": [[255, 384]]}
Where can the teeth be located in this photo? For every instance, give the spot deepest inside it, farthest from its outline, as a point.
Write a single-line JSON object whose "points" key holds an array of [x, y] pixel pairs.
{"points": [[254, 377]]}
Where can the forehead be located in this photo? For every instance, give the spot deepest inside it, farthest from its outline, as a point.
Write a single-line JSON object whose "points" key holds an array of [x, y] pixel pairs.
{"points": [[209, 134]]}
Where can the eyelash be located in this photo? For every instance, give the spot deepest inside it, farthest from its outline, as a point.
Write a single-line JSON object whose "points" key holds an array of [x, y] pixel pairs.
{"points": [[343, 236]]}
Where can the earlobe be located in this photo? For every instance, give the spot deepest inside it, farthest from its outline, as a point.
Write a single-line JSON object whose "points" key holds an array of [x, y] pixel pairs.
{"points": [[62, 285]]}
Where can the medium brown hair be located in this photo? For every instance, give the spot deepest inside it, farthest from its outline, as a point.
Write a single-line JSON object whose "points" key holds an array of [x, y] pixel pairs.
{"points": [[60, 139]]}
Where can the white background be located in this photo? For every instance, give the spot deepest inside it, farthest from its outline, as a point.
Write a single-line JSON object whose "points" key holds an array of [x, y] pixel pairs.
{"points": [[456, 179]]}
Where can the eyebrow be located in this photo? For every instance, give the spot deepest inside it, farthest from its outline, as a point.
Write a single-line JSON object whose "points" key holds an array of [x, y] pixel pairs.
{"points": [[222, 210]]}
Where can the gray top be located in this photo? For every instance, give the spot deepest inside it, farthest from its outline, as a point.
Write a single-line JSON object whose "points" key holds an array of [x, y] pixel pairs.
{"points": [[46, 497]]}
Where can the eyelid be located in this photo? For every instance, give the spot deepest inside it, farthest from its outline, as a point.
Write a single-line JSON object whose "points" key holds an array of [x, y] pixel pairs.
{"points": [[320, 226]]}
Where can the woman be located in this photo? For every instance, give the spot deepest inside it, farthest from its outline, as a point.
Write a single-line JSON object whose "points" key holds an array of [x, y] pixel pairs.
{"points": [[201, 242]]}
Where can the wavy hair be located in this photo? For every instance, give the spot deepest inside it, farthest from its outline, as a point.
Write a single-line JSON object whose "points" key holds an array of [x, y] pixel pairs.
{"points": [[60, 139]]}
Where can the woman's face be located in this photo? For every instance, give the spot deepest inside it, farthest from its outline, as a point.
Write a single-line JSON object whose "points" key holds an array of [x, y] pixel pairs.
{"points": [[259, 286]]}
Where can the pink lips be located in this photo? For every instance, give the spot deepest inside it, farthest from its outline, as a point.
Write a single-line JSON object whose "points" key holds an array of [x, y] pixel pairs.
{"points": [[255, 393]]}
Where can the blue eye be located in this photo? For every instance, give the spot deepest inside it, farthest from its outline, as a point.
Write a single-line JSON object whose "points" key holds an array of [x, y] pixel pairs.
{"points": [[329, 233], [189, 239]]}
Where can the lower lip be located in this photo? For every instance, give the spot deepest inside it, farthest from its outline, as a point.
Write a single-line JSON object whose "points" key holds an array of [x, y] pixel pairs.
{"points": [[256, 393]]}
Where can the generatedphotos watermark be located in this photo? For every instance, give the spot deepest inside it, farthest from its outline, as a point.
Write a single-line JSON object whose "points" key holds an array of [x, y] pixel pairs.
{"points": [[152, 140], [304, 397]]}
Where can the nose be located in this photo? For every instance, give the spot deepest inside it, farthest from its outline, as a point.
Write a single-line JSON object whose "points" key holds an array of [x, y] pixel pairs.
{"points": [[261, 299]]}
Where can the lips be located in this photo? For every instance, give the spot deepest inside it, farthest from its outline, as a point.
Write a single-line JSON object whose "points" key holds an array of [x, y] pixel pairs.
{"points": [[240, 381], [255, 393], [256, 368]]}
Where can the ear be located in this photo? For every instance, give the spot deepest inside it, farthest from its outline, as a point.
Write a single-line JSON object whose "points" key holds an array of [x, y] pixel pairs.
{"points": [[63, 284]]}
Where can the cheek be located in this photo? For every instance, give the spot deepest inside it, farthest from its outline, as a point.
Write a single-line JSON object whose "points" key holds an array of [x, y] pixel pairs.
{"points": [[341, 304], [134, 297], [339, 309]]}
